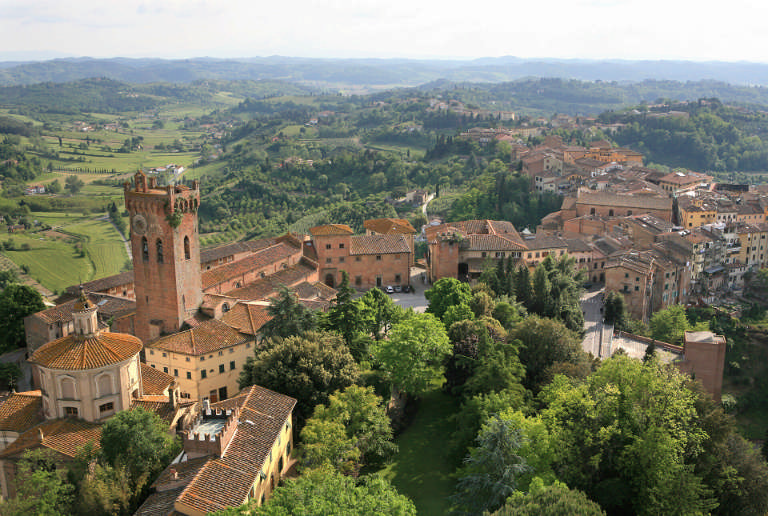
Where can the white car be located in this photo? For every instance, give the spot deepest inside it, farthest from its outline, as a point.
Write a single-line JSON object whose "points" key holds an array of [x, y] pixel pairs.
{"points": [[390, 290]]}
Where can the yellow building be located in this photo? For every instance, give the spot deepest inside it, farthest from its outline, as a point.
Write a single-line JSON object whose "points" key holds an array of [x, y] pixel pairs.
{"points": [[694, 213], [206, 360]]}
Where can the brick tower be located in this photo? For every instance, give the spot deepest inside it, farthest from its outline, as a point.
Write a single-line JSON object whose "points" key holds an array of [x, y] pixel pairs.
{"points": [[166, 254]]}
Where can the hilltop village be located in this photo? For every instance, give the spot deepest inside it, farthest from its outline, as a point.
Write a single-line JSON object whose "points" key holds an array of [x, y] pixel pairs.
{"points": [[172, 335]]}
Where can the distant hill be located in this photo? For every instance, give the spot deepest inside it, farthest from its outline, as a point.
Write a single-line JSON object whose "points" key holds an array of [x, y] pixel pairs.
{"points": [[375, 72]]}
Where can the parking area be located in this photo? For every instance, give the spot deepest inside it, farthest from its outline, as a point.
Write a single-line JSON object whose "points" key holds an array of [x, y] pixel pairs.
{"points": [[414, 299]]}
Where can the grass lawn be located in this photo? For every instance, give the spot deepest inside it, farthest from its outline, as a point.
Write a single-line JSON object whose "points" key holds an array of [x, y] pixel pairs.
{"points": [[54, 263], [421, 469]]}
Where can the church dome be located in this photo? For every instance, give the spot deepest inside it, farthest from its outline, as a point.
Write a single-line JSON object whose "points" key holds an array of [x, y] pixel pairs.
{"points": [[78, 352]]}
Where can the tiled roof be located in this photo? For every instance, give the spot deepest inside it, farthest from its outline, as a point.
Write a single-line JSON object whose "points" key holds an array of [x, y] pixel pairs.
{"points": [[106, 306], [545, 242], [65, 436], [21, 411], [159, 503], [107, 283], [620, 201], [331, 229], [159, 405], [210, 254], [492, 243], [83, 352], [154, 381], [209, 336], [389, 226], [577, 245], [268, 286], [316, 290], [257, 260], [185, 471], [378, 244], [246, 318], [226, 481]]}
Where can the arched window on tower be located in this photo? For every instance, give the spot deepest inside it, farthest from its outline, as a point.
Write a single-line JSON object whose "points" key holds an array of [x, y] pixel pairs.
{"points": [[144, 249], [186, 248], [159, 247]]}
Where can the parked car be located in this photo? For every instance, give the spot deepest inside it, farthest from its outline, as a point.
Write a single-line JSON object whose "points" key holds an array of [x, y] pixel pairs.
{"points": [[398, 288], [406, 288], [390, 290]]}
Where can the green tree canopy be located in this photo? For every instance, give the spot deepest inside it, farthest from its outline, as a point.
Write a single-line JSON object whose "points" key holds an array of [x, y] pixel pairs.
{"points": [[413, 355], [137, 440], [41, 488], [16, 302], [447, 292], [289, 317], [553, 500], [308, 367]]}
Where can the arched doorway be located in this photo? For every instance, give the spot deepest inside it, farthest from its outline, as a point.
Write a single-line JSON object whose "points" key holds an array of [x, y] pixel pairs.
{"points": [[329, 280]]}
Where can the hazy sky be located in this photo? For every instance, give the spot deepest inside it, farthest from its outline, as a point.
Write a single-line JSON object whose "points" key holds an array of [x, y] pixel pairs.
{"points": [[628, 29]]}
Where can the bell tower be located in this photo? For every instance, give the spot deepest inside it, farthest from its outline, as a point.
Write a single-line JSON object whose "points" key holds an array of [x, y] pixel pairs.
{"points": [[166, 254]]}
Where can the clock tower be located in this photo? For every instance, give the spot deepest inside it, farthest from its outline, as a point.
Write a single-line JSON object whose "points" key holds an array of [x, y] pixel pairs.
{"points": [[166, 254]]}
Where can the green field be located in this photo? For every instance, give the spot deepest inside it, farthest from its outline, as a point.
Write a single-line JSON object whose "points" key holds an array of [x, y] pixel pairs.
{"points": [[421, 470], [53, 259]]}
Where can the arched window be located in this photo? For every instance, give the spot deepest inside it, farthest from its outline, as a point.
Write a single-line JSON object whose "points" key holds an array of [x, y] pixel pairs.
{"points": [[159, 247], [225, 308], [186, 248], [104, 384], [144, 249], [610, 213], [67, 385]]}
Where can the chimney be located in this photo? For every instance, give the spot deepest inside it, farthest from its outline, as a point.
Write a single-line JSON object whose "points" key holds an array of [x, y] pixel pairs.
{"points": [[174, 474]]}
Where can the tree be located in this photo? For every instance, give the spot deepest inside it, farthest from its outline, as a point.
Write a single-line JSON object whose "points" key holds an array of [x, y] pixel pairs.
{"points": [[40, 487], [7, 277], [73, 184], [138, 441], [16, 302], [382, 312], [491, 471], [105, 490], [366, 433], [553, 500], [323, 492], [10, 374], [447, 292], [289, 317], [413, 355], [615, 308], [54, 187], [543, 343], [670, 324], [457, 313], [307, 367], [345, 315]]}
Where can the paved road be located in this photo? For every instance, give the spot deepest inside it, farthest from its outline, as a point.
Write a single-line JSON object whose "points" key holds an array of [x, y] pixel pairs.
{"points": [[591, 304]]}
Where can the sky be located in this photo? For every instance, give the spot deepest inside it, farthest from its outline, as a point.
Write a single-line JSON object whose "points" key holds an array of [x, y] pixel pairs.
{"points": [[587, 29]]}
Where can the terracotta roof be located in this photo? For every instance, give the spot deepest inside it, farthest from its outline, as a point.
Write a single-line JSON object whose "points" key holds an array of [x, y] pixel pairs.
{"points": [[210, 254], [378, 244], [226, 481], [185, 471], [65, 436], [389, 226], [107, 306], [331, 229], [545, 242], [246, 318], [614, 200], [159, 503], [257, 260], [209, 336], [160, 405], [154, 381], [21, 411], [492, 243], [107, 283], [83, 352], [268, 286]]}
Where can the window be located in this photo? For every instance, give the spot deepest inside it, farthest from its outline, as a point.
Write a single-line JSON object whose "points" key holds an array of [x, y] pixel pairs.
{"points": [[341, 245], [232, 365], [159, 249], [187, 252], [329, 260], [165, 354], [70, 411], [144, 249], [175, 372], [221, 353], [247, 345], [203, 374], [221, 368], [231, 350], [626, 275], [202, 358], [341, 259], [397, 278], [327, 246], [165, 370], [378, 257], [106, 407], [358, 281], [538, 255], [357, 259], [189, 375], [151, 351], [637, 289], [482, 255]]}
